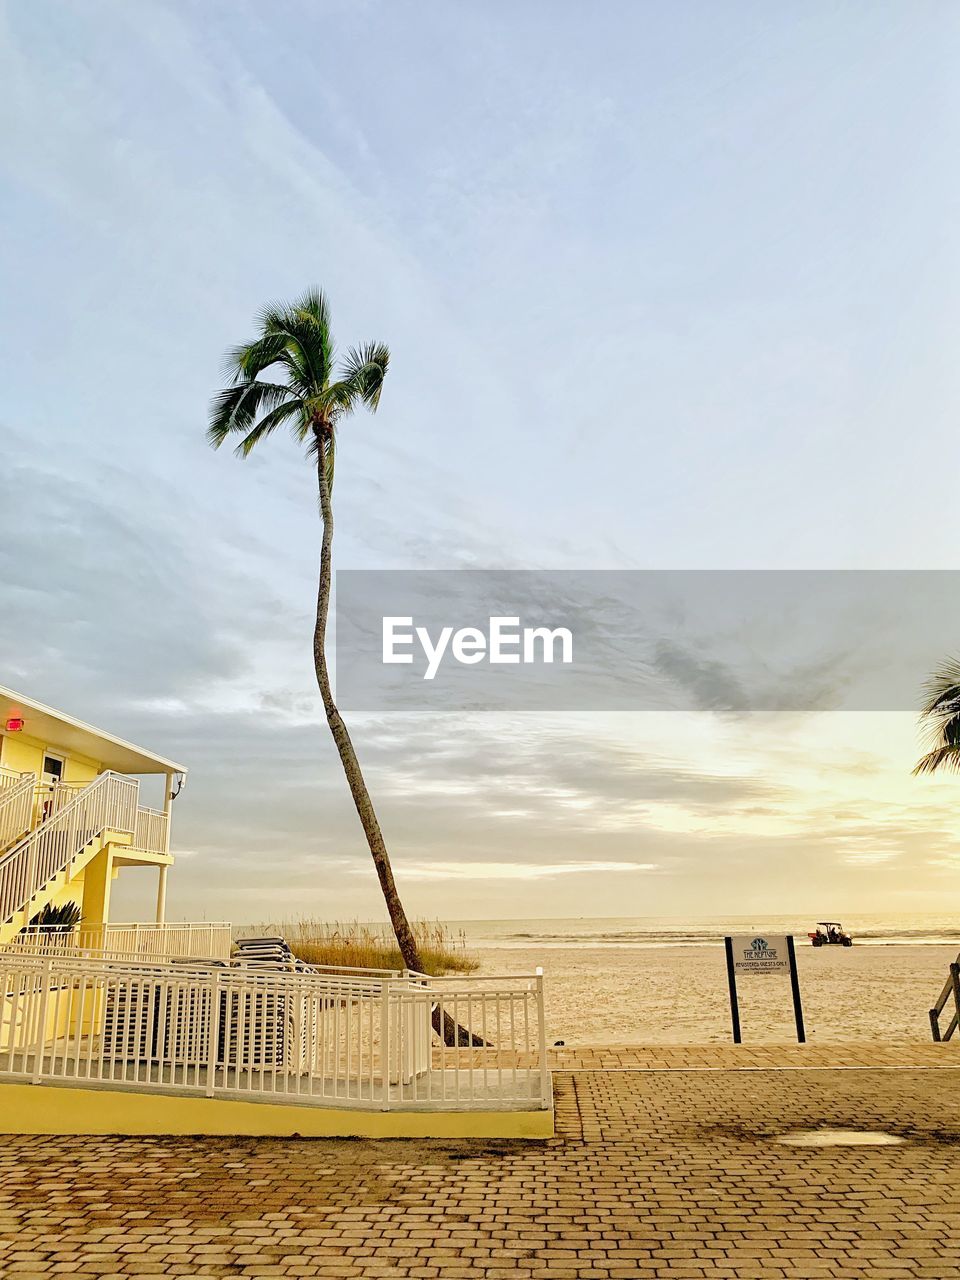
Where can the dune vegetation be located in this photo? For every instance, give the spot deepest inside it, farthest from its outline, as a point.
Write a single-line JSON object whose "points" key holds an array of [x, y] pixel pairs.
{"points": [[355, 945]]}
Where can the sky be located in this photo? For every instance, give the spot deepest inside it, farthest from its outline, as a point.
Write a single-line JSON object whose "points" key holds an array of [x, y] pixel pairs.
{"points": [[666, 286]]}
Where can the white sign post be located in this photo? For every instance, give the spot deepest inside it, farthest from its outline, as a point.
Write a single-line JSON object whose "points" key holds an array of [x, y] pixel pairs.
{"points": [[762, 953]]}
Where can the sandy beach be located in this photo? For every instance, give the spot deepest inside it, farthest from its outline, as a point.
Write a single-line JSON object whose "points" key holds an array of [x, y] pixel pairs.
{"points": [[678, 994]]}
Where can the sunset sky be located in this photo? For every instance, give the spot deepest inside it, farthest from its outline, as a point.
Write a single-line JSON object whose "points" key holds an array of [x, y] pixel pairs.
{"points": [[665, 286]]}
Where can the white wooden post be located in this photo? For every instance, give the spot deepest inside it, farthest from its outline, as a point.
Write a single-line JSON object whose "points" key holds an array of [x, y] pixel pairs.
{"points": [[214, 1041], [46, 979], [167, 801], [162, 895], [385, 1041], [162, 883], [31, 886], [544, 1070]]}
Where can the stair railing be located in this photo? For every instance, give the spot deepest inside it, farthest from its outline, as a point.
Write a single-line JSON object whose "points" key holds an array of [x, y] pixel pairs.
{"points": [[108, 803], [16, 807]]}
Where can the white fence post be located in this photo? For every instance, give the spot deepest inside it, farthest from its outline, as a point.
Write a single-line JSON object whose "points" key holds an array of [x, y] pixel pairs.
{"points": [[541, 1020], [214, 1044], [385, 1047], [46, 968]]}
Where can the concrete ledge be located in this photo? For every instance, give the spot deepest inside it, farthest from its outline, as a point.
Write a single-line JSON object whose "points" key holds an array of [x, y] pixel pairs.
{"points": [[68, 1110]]}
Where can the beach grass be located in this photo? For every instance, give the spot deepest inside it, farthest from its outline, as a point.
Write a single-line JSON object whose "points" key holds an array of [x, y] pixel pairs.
{"points": [[354, 945]]}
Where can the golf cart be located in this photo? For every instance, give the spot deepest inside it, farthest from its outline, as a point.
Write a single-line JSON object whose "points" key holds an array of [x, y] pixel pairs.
{"points": [[830, 933]]}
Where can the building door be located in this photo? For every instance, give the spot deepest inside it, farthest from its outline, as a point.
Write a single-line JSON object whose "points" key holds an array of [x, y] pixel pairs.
{"points": [[50, 780]]}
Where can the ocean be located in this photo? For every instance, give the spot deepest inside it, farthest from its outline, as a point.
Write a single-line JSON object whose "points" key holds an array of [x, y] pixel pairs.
{"points": [[645, 932]]}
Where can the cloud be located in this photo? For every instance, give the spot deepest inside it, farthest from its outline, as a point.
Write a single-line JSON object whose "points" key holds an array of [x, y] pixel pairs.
{"points": [[870, 858], [710, 684], [127, 596], [507, 871]]}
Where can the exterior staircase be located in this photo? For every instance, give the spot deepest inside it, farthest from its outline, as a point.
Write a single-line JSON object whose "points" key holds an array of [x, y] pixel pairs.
{"points": [[37, 866]]}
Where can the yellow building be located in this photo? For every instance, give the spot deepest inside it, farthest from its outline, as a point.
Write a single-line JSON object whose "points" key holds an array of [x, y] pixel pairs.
{"points": [[71, 819]]}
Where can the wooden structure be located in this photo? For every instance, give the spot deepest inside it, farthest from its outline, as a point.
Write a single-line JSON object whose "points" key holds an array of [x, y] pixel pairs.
{"points": [[950, 988]]}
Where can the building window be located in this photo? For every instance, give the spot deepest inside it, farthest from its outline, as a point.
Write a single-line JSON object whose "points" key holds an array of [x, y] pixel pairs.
{"points": [[53, 768]]}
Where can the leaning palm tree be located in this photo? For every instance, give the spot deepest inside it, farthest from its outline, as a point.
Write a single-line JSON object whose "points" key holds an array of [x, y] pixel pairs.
{"points": [[940, 718], [288, 375]]}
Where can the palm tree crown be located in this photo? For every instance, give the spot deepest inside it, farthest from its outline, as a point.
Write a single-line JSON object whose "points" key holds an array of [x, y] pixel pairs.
{"points": [[305, 391], [940, 716]]}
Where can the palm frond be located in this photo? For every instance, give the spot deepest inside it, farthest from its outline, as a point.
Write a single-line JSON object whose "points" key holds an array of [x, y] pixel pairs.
{"points": [[365, 369], [942, 691], [313, 303], [940, 719], [946, 756], [305, 327], [248, 361], [268, 423], [299, 372], [236, 408], [337, 399]]}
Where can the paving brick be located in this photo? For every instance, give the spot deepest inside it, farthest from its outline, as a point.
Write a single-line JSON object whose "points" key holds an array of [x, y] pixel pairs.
{"points": [[665, 1167]]}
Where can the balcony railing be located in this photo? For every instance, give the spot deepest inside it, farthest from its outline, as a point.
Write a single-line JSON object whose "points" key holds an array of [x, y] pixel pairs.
{"points": [[150, 831], [201, 940]]}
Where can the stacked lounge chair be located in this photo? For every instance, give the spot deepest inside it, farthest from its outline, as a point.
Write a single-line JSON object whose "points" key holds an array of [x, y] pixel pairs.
{"points": [[272, 954]]}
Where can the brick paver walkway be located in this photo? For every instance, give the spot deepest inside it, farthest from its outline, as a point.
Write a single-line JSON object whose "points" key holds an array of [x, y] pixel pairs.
{"points": [[663, 1173]]}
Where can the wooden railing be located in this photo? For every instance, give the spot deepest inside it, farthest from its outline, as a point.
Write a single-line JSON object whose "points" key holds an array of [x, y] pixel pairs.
{"points": [[950, 988], [343, 1040]]}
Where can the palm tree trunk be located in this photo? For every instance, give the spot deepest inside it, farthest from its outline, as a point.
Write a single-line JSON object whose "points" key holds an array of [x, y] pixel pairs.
{"points": [[445, 1026], [348, 756]]}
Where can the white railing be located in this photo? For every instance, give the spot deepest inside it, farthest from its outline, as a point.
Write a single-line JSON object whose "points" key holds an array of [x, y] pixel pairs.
{"points": [[150, 831], [345, 1041], [108, 803], [169, 941], [187, 940], [51, 797], [16, 805]]}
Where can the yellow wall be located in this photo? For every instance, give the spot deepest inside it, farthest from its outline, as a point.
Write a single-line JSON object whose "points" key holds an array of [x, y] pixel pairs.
{"points": [[20, 751], [72, 891], [97, 875], [42, 1108]]}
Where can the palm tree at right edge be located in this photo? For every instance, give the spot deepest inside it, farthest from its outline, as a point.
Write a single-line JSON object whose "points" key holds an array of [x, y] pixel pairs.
{"points": [[940, 718]]}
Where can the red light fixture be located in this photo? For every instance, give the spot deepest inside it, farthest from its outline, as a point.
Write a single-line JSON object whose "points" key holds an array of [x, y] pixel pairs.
{"points": [[14, 724]]}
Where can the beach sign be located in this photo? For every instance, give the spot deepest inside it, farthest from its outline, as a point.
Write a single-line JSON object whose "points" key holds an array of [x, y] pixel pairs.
{"points": [[762, 953]]}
